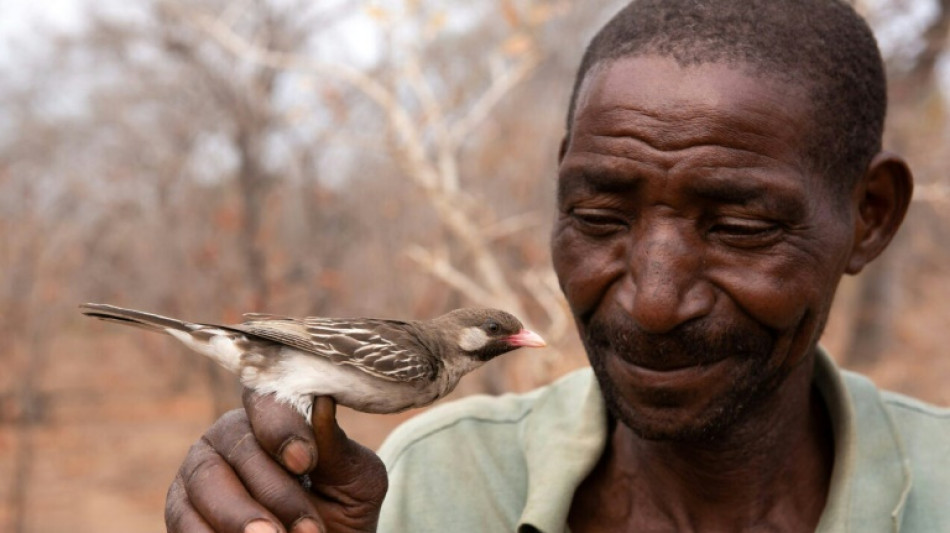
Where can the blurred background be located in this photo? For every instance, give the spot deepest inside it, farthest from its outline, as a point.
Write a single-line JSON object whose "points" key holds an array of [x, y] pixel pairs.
{"points": [[347, 158]]}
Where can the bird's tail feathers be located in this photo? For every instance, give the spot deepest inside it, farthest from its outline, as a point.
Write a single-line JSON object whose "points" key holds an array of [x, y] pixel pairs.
{"points": [[132, 317]]}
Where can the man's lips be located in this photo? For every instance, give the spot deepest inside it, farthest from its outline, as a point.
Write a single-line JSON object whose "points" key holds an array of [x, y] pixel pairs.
{"points": [[668, 376], [669, 362]]}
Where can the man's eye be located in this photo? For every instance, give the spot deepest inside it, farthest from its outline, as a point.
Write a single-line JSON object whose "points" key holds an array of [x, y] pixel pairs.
{"points": [[597, 222], [747, 234]]}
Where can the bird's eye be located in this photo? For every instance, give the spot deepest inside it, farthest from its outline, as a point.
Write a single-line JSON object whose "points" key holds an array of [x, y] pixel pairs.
{"points": [[492, 327]]}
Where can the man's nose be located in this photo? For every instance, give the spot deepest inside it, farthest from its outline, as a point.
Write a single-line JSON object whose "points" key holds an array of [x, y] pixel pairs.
{"points": [[666, 283]]}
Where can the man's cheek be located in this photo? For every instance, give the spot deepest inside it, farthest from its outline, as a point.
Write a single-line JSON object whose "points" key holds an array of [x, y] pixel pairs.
{"points": [[776, 298], [585, 270]]}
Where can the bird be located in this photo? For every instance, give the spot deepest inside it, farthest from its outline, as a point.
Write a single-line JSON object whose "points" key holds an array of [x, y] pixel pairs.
{"points": [[368, 364]]}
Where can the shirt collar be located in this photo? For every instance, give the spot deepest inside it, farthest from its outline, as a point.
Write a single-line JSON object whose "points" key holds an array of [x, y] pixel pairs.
{"points": [[871, 477], [566, 432], [564, 438]]}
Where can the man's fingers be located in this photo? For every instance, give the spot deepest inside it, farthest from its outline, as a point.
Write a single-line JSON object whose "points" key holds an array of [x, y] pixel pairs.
{"points": [[270, 485], [218, 496], [261, 478], [328, 436], [281, 431], [346, 472], [236, 478], [180, 516]]}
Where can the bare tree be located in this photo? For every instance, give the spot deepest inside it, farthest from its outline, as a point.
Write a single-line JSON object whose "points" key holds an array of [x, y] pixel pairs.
{"points": [[428, 129]]}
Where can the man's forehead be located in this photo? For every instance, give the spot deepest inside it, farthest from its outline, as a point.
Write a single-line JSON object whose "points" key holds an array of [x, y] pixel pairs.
{"points": [[659, 101], [660, 86]]}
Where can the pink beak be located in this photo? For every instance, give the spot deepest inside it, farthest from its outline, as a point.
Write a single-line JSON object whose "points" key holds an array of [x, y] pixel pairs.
{"points": [[526, 338]]}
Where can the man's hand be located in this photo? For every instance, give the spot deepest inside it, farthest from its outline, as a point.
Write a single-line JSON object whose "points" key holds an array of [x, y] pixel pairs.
{"points": [[245, 475]]}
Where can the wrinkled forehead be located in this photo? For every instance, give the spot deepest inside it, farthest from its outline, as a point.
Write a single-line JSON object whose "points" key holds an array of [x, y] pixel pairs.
{"points": [[676, 105]]}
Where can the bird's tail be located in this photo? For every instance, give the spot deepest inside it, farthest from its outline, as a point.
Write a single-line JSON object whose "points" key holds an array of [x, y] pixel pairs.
{"points": [[220, 343], [132, 317]]}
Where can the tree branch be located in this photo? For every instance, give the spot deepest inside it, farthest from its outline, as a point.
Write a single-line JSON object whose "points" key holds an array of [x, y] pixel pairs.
{"points": [[440, 267], [398, 117], [500, 86]]}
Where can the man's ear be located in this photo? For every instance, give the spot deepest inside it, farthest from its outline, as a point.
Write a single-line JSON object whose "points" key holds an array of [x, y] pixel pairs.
{"points": [[881, 198]]}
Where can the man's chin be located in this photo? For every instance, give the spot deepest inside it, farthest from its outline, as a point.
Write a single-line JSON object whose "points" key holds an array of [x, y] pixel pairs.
{"points": [[686, 405], [670, 423], [687, 385]]}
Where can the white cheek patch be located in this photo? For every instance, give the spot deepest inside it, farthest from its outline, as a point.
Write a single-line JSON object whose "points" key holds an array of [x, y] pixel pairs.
{"points": [[472, 339]]}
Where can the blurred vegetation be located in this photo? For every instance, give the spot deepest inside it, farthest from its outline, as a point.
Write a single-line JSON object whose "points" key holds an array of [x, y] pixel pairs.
{"points": [[207, 158]]}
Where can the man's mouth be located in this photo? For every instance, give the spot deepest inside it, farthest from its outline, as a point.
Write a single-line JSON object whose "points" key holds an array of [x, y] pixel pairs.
{"points": [[669, 376], [669, 362], [691, 348]]}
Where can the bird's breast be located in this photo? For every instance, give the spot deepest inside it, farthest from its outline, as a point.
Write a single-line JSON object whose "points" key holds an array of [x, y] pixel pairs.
{"points": [[297, 376]]}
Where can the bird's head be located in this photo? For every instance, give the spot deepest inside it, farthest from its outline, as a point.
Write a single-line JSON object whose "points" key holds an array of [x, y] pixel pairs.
{"points": [[483, 334]]}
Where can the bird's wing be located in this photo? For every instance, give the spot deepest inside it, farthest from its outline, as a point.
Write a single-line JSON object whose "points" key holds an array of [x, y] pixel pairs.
{"points": [[382, 348], [252, 317]]}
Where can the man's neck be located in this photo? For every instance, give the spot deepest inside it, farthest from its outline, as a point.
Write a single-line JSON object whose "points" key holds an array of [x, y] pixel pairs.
{"points": [[771, 472]]}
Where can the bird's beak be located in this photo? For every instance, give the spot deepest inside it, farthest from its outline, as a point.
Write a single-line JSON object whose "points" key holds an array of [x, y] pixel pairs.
{"points": [[526, 338]]}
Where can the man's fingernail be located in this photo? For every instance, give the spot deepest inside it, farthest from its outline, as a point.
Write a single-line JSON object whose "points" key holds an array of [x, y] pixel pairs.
{"points": [[297, 456], [306, 525], [260, 526]]}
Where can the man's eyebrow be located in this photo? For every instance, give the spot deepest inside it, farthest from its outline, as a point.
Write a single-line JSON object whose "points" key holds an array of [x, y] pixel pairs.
{"points": [[575, 185], [744, 192], [733, 192], [597, 180]]}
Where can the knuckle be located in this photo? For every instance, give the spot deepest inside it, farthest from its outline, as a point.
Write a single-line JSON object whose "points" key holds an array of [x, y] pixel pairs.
{"points": [[376, 490], [364, 492], [242, 451], [200, 464], [230, 428], [195, 452], [175, 505], [375, 480], [275, 490], [233, 417], [233, 421]]}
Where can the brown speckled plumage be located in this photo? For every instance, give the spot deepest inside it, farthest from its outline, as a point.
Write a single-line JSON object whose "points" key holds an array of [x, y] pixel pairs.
{"points": [[372, 365]]}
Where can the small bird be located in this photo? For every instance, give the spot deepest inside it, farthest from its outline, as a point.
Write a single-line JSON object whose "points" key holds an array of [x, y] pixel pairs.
{"points": [[371, 365]]}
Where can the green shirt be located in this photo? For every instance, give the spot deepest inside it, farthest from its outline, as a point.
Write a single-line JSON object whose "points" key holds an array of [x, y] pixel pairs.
{"points": [[512, 463]]}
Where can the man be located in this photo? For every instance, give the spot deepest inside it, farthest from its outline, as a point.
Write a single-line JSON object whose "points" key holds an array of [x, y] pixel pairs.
{"points": [[721, 171]]}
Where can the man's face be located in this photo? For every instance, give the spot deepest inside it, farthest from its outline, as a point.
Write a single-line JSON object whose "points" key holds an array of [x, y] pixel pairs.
{"points": [[697, 252]]}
